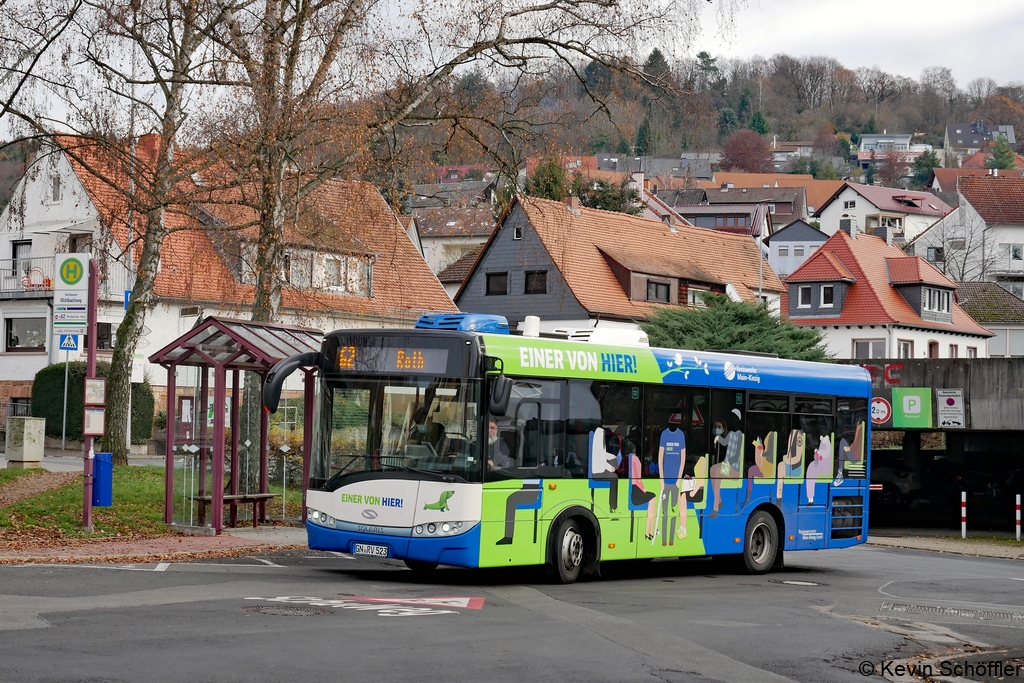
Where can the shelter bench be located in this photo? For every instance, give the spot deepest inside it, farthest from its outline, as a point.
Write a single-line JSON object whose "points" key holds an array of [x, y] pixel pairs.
{"points": [[233, 500]]}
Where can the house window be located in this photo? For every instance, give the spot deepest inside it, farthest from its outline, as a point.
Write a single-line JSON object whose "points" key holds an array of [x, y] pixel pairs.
{"points": [[804, 300], [536, 282], [1016, 288], [798, 251], [104, 337], [694, 297], [827, 295], [906, 348], [852, 204], [658, 292], [936, 254], [286, 268], [869, 348], [54, 194], [958, 245], [80, 244], [771, 209], [954, 351], [497, 283], [783, 251], [933, 349], [972, 351], [345, 274], [719, 221], [1016, 252], [730, 222], [25, 334], [741, 222], [517, 232], [891, 222], [20, 253]]}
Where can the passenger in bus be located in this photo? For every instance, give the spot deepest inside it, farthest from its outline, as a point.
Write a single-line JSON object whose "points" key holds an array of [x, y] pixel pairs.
{"points": [[498, 457], [731, 439], [427, 432]]}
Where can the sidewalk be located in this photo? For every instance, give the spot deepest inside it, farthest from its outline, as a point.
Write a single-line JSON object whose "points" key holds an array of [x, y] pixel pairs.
{"points": [[170, 548], [56, 460], [998, 544]]}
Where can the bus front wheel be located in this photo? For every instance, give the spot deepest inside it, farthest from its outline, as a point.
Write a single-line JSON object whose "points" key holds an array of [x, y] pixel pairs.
{"points": [[569, 546], [761, 543]]}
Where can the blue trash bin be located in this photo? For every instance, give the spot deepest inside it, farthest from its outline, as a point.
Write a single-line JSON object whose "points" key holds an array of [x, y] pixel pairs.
{"points": [[103, 480]]}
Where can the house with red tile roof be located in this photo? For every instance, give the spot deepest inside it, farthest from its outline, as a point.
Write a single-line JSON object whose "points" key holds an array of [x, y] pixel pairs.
{"points": [[903, 214], [576, 267], [870, 300], [944, 179], [983, 239], [347, 260], [449, 233]]}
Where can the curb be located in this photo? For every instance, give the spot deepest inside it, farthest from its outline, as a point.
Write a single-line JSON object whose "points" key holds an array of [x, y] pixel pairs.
{"points": [[144, 557], [931, 547]]}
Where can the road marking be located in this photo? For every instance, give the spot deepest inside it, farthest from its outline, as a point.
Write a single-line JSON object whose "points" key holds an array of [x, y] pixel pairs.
{"points": [[266, 562], [402, 607], [162, 567]]}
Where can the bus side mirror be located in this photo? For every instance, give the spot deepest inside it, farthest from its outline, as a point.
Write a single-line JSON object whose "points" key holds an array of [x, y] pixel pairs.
{"points": [[279, 373], [501, 393]]}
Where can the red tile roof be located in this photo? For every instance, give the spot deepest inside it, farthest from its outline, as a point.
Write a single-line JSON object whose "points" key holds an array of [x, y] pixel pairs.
{"points": [[996, 199], [826, 268], [904, 270], [947, 177], [455, 222], [898, 200], [577, 240], [980, 158], [871, 299], [339, 216]]}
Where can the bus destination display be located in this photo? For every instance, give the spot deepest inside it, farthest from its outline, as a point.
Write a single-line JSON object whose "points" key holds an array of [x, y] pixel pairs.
{"points": [[377, 359]]}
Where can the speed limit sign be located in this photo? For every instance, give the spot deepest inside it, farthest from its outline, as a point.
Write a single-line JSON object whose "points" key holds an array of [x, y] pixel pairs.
{"points": [[881, 411]]}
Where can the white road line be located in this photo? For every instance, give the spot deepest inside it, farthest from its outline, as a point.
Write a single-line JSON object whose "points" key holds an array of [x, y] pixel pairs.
{"points": [[162, 567], [266, 562]]}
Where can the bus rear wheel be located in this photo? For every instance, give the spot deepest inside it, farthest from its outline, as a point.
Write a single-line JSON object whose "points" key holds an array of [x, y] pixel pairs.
{"points": [[421, 567], [569, 547], [761, 543]]}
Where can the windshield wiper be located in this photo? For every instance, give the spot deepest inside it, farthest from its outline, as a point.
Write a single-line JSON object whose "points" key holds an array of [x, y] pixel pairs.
{"points": [[443, 477]]}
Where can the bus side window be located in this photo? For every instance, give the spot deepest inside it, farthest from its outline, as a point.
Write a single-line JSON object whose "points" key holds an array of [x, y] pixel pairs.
{"points": [[728, 415], [851, 437], [670, 409], [539, 438]]}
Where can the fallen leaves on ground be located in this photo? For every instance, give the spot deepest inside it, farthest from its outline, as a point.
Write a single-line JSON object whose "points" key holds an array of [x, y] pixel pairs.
{"points": [[34, 484]]}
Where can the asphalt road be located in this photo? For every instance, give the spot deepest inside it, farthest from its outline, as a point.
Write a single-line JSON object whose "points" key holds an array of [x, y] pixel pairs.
{"points": [[307, 616]]}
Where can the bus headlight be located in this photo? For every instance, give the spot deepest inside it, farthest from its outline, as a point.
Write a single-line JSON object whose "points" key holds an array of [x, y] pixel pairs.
{"points": [[446, 527], [431, 528], [419, 528]]}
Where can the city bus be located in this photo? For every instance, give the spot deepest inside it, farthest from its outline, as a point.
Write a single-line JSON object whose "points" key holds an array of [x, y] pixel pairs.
{"points": [[461, 444]]}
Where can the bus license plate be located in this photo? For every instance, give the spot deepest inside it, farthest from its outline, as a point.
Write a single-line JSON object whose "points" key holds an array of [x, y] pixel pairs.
{"points": [[371, 550]]}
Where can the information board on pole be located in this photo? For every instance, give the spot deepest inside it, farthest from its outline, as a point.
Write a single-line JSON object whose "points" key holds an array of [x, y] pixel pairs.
{"points": [[95, 421], [71, 294], [95, 391]]}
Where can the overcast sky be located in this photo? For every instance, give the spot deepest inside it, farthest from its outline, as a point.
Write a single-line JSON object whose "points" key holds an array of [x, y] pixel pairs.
{"points": [[899, 36]]}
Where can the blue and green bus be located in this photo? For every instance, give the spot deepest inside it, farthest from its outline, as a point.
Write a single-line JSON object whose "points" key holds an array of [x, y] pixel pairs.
{"points": [[458, 443]]}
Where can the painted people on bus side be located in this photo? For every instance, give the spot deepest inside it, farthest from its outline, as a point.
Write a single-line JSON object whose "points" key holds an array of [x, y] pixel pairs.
{"points": [[728, 437], [764, 463], [527, 498], [820, 466], [671, 458], [792, 464]]}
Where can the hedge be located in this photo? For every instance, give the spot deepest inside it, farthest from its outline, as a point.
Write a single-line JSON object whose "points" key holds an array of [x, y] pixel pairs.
{"points": [[48, 401]]}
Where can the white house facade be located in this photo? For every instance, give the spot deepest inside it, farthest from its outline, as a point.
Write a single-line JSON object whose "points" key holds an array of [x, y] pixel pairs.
{"points": [[904, 214]]}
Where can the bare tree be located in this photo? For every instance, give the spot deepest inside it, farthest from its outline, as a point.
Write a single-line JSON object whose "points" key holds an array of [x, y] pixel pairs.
{"points": [[979, 90], [321, 82], [960, 245], [878, 85], [28, 31], [136, 67]]}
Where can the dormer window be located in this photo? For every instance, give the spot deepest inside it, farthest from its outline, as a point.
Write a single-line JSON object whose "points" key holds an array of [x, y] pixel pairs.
{"points": [[827, 295], [53, 196], [658, 292], [804, 297], [935, 300]]}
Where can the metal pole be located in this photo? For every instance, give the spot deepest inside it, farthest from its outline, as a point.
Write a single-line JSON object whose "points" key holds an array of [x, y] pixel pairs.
{"points": [[963, 514], [1018, 516], [64, 420], [87, 452]]}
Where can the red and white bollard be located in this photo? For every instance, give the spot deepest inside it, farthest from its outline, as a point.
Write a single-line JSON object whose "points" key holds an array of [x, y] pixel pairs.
{"points": [[1018, 516], [963, 514]]}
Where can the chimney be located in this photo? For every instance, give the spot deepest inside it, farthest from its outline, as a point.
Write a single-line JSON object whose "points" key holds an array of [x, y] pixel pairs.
{"points": [[572, 202], [846, 225], [883, 232], [670, 220]]}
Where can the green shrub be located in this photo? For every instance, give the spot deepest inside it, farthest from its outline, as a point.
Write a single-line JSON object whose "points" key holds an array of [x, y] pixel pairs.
{"points": [[48, 400]]}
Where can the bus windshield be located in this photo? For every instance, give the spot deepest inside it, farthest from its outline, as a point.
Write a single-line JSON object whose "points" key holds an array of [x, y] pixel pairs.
{"points": [[425, 425]]}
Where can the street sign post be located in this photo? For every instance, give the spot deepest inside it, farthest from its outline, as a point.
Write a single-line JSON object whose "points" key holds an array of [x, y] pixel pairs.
{"points": [[68, 343], [71, 294]]}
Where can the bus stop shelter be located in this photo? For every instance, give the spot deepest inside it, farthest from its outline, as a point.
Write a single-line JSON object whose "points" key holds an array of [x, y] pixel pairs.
{"points": [[226, 345]]}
